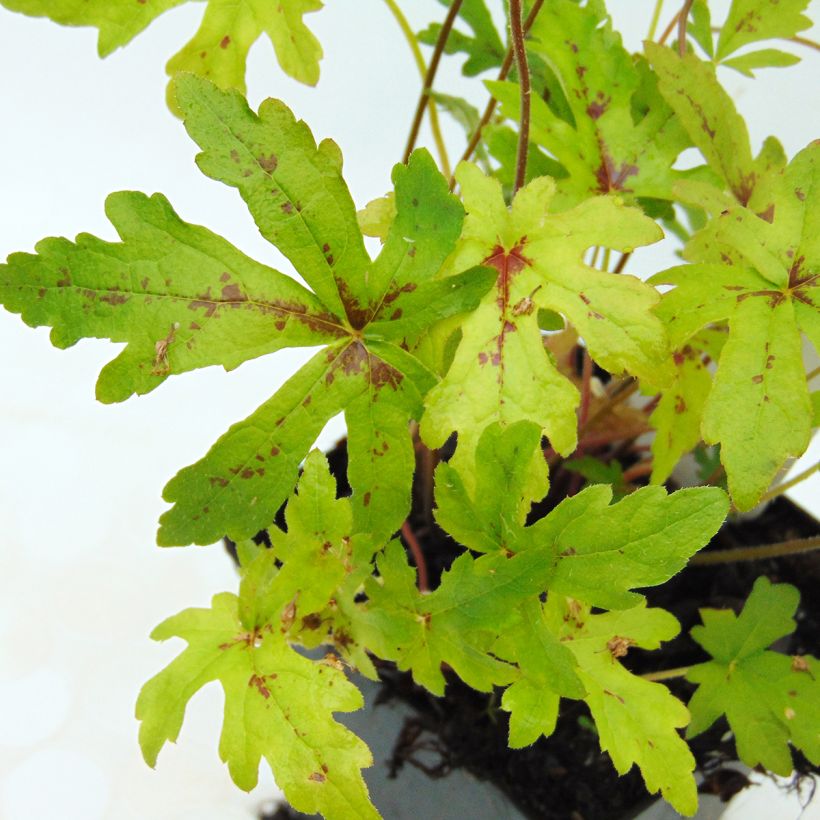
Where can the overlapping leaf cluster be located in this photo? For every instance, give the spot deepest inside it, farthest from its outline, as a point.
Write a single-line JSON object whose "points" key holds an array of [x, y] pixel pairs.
{"points": [[443, 333], [486, 621]]}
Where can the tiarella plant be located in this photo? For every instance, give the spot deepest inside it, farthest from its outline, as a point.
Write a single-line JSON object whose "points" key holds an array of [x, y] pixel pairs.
{"points": [[466, 323]]}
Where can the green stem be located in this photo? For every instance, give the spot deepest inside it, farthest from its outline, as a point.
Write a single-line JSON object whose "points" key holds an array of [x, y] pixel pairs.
{"points": [[787, 485], [432, 110], [430, 76], [520, 51], [793, 547], [666, 674], [656, 16]]}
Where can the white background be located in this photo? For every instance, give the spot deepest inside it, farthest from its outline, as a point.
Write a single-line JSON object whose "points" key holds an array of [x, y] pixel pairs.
{"points": [[82, 583]]}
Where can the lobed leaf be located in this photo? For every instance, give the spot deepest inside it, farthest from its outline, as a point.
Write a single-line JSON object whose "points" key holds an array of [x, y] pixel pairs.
{"points": [[219, 49], [180, 296], [750, 21], [483, 46], [501, 371], [278, 705], [756, 270], [637, 720], [770, 700], [619, 135]]}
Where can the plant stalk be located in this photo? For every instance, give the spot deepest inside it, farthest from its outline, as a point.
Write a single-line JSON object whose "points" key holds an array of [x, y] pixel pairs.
{"points": [[489, 110], [432, 109], [795, 546], [787, 485], [520, 50], [683, 20], [430, 76], [666, 674]]}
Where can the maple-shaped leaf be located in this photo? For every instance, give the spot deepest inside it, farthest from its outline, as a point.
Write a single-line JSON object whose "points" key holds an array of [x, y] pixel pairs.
{"points": [[643, 540], [770, 699], [637, 720], [456, 624], [547, 670], [184, 298], [219, 49], [704, 108], [501, 371], [620, 135], [483, 46], [750, 21], [761, 274], [677, 417], [278, 705], [513, 475]]}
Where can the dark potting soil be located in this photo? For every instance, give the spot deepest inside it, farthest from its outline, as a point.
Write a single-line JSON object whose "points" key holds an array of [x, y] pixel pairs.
{"points": [[566, 776]]}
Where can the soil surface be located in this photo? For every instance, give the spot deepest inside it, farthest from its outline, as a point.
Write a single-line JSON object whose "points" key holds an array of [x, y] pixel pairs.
{"points": [[565, 776]]}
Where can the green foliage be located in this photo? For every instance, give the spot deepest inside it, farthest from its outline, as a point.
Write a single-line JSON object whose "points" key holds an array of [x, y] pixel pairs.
{"points": [[755, 269], [501, 370], [618, 135], [218, 50], [497, 315], [482, 46], [770, 699]]}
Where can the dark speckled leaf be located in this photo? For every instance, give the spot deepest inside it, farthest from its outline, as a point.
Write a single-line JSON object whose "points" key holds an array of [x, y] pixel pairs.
{"points": [[624, 138], [182, 297]]}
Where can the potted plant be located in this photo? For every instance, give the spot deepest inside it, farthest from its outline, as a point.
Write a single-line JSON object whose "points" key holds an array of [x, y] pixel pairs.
{"points": [[493, 530]]}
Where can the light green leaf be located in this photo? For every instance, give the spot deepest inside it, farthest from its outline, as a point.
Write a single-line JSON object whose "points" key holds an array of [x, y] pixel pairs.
{"points": [[278, 705], [637, 720], [757, 271], [483, 46], [456, 624], [750, 21], [708, 114], [769, 699], [641, 541], [700, 27], [548, 670], [293, 189], [501, 371], [765, 58], [620, 136], [182, 297], [513, 475], [677, 418], [377, 216], [219, 49], [119, 21], [316, 551]]}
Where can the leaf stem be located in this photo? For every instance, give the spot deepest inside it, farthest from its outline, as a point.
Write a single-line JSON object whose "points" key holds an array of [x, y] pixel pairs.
{"points": [[656, 16], [795, 546], [669, 29], [666, 674], [683, 20], [814, 373], [489, 110], [622, 262], [418, 556], [430, 76], [520, 50], [787, 485], [586, 389], [432, 109]]}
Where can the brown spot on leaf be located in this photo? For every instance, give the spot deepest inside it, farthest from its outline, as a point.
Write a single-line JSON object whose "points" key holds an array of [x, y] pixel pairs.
{"points": [[680, 404], [268, 163], [233, 293], [768, 213], [217, 479], [225, 42], [234, 155], [225, 277], [114, 298], [757, 379], [317, 777], [618, 646], [800, 194], [366, 499], [258, 681], [287, 207]]}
